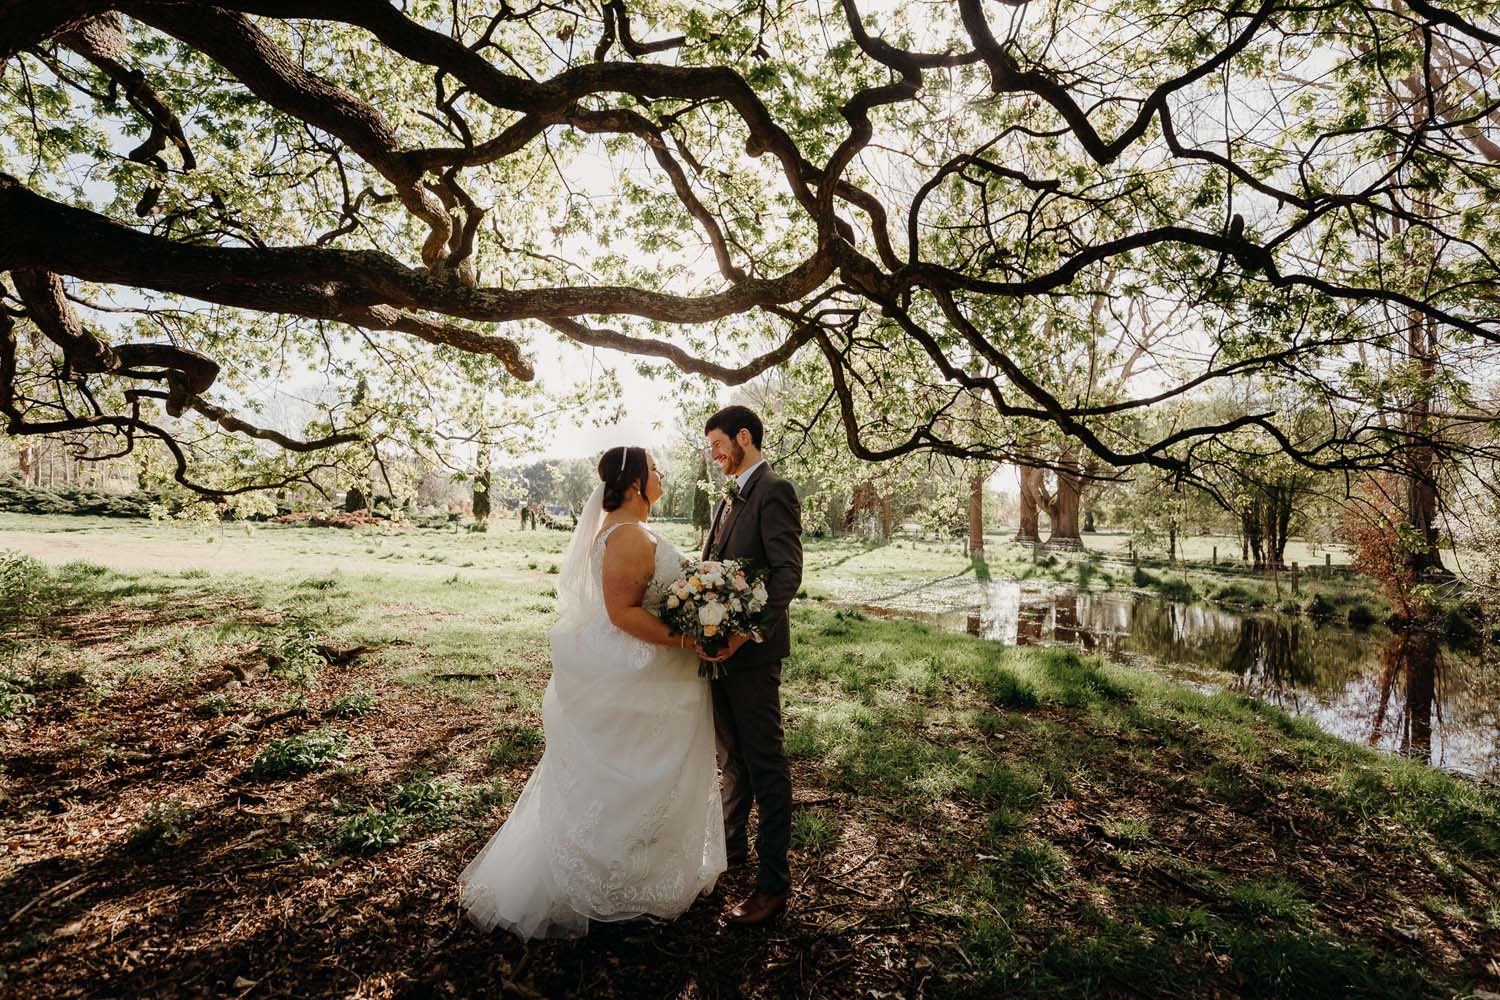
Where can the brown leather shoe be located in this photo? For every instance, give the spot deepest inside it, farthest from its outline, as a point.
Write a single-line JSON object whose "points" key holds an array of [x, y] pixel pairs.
{"points": [[760, 908]]}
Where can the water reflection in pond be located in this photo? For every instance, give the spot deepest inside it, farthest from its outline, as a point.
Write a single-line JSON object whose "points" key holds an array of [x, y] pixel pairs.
{"points": [[1406, 693]]}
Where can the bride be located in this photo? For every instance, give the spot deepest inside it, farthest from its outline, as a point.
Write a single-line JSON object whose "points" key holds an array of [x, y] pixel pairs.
{"points": [[622, 816]]}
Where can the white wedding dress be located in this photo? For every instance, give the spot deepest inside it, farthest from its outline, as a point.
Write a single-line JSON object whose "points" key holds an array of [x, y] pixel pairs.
{"points": [[622, 816]]}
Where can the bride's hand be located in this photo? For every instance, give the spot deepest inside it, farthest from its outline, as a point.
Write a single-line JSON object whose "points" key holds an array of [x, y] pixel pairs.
{"points": [[735, 642]]}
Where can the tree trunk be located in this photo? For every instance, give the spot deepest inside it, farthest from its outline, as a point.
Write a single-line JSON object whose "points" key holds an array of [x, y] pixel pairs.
{"points": [[1065, 505], [1031, 482], [1276, 507], [1421, 487], [976, 516], [480, 504], [1251, 525]]}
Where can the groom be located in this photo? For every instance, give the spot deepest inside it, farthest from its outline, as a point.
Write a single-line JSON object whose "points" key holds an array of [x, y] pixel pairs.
{"points": [[761, 524]]}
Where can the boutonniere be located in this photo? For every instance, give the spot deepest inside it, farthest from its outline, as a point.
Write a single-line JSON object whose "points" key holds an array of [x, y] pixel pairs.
{"points": [[726, 492]]}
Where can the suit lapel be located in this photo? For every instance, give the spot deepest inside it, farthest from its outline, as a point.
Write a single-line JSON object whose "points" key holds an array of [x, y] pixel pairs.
{"points": [[741, 504]]}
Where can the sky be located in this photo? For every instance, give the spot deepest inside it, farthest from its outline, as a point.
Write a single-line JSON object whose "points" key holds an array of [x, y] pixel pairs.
{"points": [[650, 405]]}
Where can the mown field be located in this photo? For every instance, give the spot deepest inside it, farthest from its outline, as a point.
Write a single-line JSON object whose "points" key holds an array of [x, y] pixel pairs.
{"points": [[252, 764]]}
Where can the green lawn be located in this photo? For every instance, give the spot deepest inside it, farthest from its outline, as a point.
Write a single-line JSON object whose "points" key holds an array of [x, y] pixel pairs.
{"points": [[253, 764]]}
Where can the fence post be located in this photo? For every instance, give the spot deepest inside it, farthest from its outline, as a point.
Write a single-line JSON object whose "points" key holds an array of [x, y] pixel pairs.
{"points": [[1216, 556], [1328, 564], [1295, 581]]}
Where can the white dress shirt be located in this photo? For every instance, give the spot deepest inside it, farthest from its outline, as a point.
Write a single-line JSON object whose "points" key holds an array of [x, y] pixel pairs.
{"points": [[744, 477]]}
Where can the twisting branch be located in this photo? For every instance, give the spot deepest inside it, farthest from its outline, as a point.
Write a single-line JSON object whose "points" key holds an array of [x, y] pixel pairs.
{"points": [[101, 40]]}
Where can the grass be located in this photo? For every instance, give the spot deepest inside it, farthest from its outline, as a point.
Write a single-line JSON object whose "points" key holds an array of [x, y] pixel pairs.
{"points": [[984, 821]]}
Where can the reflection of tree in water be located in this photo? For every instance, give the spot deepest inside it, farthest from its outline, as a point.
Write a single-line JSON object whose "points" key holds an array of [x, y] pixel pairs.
{"points": [[1412, 661], [1275, 658], [1413, 695], [1030, 623]]}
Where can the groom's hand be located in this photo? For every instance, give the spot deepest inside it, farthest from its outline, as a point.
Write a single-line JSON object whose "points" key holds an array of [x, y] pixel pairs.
{"points": [[735, 642]]}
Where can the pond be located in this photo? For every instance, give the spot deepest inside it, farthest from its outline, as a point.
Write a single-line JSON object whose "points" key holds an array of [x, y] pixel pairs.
{"points": [[1407, 693]]}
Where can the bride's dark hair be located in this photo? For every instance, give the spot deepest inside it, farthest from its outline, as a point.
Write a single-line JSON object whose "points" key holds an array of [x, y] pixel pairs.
{"points": [[620, 469]]}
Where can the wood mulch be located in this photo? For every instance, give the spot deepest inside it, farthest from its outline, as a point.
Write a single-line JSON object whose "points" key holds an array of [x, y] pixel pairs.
{"points": [[256, 902], [221, 914]]}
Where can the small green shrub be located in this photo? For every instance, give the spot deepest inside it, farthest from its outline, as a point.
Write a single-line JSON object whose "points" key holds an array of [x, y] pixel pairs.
{"points": [[352, 705], [15, 700], [1319, 608], [1234, 594], [22, 580], [297, 755], [516, 746], [815, 831], [1140, 578], [164, 826], [1176, 590], [425, 794], [369, 832], [1361, 617], [215, 705], [293, 649]]}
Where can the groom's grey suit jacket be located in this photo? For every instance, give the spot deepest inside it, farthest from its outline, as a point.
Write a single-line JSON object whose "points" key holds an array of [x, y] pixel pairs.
{"points": [[764, 529]]}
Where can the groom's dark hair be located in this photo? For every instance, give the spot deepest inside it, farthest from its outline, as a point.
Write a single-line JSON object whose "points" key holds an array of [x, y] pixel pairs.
{"points": [[733, 419]]}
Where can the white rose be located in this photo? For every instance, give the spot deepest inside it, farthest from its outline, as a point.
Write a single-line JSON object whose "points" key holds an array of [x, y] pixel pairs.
{"points": [[734, 603], [759, 593], [711, 614], [673, 602]]}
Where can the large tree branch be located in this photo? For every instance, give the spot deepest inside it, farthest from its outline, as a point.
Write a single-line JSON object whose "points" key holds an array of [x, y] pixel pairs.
{"points": [[276, 78], [324, 283]]}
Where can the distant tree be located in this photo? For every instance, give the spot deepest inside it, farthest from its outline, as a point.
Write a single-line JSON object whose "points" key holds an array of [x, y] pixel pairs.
{"points": [[573, 481], [481, 505], [702, 504], [537, 480]]}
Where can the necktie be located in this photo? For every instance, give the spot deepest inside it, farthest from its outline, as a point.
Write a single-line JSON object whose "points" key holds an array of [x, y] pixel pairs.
{"points": [[722, 531]]}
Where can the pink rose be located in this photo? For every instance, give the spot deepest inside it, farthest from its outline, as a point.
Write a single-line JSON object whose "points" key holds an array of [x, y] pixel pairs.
{"points": [[740, 583]]}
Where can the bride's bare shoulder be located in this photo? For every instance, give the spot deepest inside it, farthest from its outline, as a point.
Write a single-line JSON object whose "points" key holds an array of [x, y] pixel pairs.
{"points": [[627, 541]]}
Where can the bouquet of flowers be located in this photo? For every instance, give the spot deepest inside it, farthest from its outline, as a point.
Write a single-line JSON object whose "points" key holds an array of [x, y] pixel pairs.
{"points": [[713, 601]]}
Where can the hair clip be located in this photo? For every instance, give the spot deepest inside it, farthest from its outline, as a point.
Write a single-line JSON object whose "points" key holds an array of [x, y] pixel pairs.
{"points": [[624, 457]]}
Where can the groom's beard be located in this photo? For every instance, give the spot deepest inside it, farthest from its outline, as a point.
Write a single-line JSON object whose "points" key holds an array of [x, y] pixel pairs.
{"points": [[736, 460]]}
